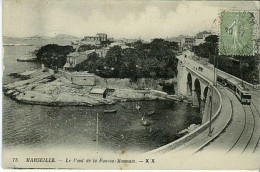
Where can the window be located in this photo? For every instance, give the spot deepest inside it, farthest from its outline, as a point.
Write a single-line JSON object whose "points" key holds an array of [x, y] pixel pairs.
{"points": [[246, 96]]}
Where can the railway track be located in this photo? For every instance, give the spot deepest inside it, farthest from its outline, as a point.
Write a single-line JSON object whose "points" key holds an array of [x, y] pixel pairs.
{"points": [[240, 135], [220, 132], [257, 101], [249, 130], [248, 138], [204, 142], [244, 125], [258, 139], [256, 96]]}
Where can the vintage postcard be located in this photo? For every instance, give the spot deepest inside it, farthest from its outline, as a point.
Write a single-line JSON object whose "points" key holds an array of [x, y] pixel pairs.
{"points": [[121, 85]]}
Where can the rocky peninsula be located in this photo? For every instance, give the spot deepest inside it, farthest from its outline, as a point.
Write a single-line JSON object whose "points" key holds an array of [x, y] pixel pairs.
{"points": [[44, 88], [30, 57]]}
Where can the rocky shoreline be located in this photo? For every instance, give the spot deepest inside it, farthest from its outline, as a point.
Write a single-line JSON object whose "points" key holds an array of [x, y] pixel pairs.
{"points": [[27, 58], [42, 88]]}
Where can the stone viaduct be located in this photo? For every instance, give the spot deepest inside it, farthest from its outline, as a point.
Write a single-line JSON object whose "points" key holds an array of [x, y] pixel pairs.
{"points": [[195, 81]]}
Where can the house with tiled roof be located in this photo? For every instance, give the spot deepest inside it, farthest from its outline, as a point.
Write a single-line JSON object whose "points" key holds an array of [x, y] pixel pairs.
{"points": [[200, 37]]}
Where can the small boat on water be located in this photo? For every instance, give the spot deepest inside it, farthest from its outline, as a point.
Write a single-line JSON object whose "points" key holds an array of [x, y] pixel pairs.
{"points": [[110, 111], [145, 122], [150, 112]]}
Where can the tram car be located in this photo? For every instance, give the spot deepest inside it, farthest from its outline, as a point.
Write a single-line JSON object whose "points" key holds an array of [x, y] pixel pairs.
{"points": [[221, 79], [243, 94], [231, 84]]}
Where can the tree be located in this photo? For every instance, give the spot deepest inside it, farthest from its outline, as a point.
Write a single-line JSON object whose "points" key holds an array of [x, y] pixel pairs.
{"points": [[213, 39], [53, 55], [114, 60], [90, 64], [86, 47], [142, 60], [208, 48]]}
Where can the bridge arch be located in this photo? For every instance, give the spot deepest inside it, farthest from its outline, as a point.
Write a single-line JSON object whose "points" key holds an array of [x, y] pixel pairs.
{"points": [[205, 92], [189, 84], [204, 98], [197, 93]]}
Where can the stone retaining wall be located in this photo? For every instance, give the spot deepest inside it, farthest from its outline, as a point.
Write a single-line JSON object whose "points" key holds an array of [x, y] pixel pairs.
{"points": [[138, 85]]}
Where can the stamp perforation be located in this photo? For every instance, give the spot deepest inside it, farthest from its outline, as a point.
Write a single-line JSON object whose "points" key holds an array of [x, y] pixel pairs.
{"points": [[255, 31]]}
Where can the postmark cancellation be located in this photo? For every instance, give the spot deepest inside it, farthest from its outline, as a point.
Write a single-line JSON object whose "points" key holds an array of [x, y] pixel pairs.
{"points": [[237, 32]]}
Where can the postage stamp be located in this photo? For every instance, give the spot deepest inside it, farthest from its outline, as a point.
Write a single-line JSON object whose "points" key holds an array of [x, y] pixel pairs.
{"points": [[237, 33]]}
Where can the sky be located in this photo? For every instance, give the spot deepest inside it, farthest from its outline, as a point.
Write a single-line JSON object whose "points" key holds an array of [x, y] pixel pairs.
{"points": [[119, 18]]}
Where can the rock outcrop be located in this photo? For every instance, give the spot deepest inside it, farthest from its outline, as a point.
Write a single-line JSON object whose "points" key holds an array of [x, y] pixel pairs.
{"points": [[44, 88], [27, 58]]}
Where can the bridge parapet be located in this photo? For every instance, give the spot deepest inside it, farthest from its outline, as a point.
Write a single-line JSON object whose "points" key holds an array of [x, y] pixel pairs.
{"points": [[206, 69]]}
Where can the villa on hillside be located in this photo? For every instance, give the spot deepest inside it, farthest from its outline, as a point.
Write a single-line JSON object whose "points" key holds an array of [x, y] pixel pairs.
{"points": [[187, 42], [200, 37], [95, 40], [190, 41]]}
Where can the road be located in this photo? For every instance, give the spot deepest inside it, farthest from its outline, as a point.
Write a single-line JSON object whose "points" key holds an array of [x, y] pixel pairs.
{"points": [[243, 133], [236, 130]]}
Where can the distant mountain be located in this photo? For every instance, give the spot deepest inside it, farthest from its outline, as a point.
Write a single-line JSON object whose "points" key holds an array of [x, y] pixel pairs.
{"points": [[38, 37], [65, 36], [36, 40], [58, 36]]}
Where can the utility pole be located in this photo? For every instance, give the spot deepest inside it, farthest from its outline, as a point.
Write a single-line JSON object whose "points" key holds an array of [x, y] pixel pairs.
{"points": [[215, 72], [210, 114], [211, 97], [241, 75], [97, 135], [214, 82]]}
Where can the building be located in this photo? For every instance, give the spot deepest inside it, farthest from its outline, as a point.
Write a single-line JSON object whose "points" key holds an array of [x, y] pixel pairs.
{"points": [[101, 37], [83, 78], [187, 42], [174, 39], [102, 51], [79, 78], [99, 92], [200, 37]]}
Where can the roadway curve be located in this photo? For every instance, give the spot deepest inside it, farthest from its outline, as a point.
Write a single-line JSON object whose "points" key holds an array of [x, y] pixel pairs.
{"points": [[243, 133], [236, 130]]}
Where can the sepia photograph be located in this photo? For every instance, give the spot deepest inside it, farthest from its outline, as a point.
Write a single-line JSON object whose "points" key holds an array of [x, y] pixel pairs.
{"points": [[130, 85]]}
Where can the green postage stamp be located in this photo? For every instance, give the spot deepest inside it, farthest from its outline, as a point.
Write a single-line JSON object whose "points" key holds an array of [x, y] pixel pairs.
{"points": [[237, 33]]}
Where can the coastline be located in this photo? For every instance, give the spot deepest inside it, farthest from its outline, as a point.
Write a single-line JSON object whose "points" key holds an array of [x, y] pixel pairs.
{"points": [[42, 88]]}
